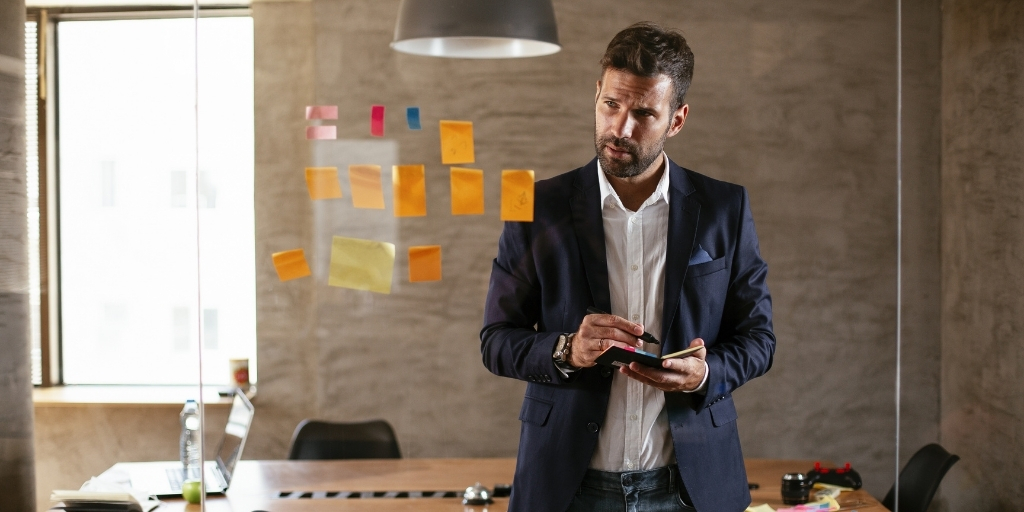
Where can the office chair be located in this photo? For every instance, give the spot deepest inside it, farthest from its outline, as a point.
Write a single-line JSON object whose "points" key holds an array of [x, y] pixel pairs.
{"points": [[324, 440], [920, 478]]}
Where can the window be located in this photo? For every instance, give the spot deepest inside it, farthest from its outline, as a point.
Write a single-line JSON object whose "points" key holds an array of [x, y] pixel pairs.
{"points": [[136, 297], [32, 184]]}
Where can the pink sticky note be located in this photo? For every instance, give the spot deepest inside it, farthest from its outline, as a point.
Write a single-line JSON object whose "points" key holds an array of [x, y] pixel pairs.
{"points": [[321, 132], [322, 112], [377, 121]]}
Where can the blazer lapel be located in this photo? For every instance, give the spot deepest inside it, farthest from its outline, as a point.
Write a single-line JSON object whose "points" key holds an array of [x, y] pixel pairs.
{"points": [[589, 227], [684, 213]]}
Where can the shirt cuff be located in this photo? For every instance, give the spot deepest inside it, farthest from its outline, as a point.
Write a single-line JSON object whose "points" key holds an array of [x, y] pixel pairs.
{"points": [[703, 388]]}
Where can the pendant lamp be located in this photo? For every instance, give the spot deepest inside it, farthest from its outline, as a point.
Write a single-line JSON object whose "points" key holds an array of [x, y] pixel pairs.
{"points": [[476, 29]]}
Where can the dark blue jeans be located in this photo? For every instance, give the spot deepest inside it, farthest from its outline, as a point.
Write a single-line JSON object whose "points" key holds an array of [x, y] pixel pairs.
{"points": [[656, 490]]}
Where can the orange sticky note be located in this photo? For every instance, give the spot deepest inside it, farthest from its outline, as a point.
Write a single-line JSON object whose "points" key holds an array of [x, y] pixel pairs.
{"points": [[409, 183], [290, 264], [424, 263], [457, 142], [517, 195], [366, 188], [323, 183], [467, 191]]}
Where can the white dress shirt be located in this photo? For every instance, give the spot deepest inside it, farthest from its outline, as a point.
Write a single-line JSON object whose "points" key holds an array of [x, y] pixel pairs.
{"points": [[635, 435]]}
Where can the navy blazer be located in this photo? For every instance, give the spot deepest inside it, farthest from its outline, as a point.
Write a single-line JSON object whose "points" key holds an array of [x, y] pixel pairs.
{"points": [[549, 271]]}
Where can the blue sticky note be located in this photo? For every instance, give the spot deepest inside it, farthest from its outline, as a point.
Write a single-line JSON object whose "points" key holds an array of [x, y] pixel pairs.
{"points": [[412, 116]]}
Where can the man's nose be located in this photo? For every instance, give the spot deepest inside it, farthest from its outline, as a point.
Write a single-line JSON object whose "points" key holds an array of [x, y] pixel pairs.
{"points": [[622, 125]]}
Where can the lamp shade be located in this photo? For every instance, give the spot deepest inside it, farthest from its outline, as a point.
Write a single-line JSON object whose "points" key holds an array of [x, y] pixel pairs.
{"points": [[476, 29]]}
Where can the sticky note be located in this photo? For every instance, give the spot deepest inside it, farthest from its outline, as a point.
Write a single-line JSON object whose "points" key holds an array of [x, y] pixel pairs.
{"points": [[410, 187], [760, 508], [517, 195], [412, 117], [322, 112], [290, 264], [323, 183], [377, 120], [457, 142], [424, 263], [321, 132], [364, 180], [467, 191], [361, 264]]}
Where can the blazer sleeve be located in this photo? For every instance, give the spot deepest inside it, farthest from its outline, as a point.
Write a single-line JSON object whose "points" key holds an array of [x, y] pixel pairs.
{"points": [[746, 342], [510, 343]]}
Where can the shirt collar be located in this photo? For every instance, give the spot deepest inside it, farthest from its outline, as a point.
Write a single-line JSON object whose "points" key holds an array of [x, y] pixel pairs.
{"points": [[661, 191]]}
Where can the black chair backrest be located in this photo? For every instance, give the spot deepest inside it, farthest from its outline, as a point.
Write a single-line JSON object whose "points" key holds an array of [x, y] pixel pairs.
{"points": [[920, 478], [323, 440]]}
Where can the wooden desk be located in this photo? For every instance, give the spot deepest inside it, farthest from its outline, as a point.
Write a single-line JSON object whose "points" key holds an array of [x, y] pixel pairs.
{"points": [[257, 484]]}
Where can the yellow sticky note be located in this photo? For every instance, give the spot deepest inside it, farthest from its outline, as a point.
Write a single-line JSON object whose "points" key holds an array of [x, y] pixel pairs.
{"points": [[362, 264], [517, 195], [467, 191], [424, 263], [761, 508], [367, 191], [457, 142], [323, 183], [410, 188], [290, 264]]}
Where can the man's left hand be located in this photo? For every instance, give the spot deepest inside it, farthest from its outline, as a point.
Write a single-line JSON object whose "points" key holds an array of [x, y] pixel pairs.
{"points": [[679, 374]]}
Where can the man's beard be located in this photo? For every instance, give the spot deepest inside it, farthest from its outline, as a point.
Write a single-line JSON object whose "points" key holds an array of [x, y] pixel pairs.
{"points": [[640, 161]]}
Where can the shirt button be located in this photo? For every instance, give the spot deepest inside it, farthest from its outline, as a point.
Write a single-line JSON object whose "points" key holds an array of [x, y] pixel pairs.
{"points": [[634, 267], [632, 417], [636, 317], [592, 427], [632, 220], [629, 465]]}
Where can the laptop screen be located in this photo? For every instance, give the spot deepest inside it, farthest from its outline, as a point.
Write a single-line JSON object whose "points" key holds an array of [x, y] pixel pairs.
{"points": [[237, 429]]}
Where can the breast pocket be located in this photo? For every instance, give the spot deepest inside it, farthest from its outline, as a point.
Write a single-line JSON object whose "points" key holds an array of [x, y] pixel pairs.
{"points": [[704, 269]]}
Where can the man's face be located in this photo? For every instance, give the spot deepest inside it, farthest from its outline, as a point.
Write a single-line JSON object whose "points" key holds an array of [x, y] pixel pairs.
{"points": [[633, 117]]}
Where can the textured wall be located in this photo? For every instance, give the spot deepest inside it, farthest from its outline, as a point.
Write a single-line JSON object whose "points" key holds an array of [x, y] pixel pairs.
{"points": [[795, 100], [16, 454], [983, 252]]}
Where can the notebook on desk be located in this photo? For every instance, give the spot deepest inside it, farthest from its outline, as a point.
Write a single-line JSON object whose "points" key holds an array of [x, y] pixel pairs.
{"points": [[163, 479]]}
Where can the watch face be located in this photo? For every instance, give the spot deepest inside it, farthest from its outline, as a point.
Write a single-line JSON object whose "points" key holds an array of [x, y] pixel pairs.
{"points": [[560, 347]]}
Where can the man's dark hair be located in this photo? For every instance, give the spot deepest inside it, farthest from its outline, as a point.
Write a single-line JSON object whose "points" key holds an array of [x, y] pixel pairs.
{"points": [[647, 50]]}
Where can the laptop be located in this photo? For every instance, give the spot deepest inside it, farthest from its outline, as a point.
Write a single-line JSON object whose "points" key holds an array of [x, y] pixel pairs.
{"points": [[163, 479]]}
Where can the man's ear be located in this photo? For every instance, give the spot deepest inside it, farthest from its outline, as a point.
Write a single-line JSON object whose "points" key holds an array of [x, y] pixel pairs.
{"points": [[678, 120]]}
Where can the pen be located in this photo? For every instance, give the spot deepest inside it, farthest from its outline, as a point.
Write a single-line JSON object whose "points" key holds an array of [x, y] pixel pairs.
{"points": [[646, 336]]}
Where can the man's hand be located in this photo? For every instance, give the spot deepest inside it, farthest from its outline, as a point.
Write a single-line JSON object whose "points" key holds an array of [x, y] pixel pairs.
{"points": [[680, 374], [599, 332]]}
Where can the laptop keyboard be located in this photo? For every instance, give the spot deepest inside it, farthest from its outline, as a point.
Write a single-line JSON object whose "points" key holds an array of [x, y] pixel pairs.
{"points": [[177, 475]]}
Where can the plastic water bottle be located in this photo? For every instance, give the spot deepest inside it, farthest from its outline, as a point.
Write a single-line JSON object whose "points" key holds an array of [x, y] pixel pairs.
{"points": [[190, 457]]}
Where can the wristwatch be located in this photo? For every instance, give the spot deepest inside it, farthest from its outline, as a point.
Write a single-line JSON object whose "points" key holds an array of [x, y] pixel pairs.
{"points": [[561, 356]]}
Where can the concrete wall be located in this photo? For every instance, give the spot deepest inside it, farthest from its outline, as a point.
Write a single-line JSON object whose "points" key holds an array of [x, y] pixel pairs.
{"points": [[983, 252], [16, 455]]}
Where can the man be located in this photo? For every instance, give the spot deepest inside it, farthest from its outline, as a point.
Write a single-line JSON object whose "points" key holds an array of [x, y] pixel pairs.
{"points": [[663, 249]]}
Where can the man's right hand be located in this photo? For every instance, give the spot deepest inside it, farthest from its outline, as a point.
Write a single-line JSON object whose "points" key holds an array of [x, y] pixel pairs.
{"points": [[599, 332]]}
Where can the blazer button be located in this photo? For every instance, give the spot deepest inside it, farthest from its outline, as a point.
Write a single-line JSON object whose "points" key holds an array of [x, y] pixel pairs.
{"points": [[606, 371], [592, 427]]}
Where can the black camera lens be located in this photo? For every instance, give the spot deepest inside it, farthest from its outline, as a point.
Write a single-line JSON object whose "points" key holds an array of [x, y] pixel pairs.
{"points": [[796, 489]]}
